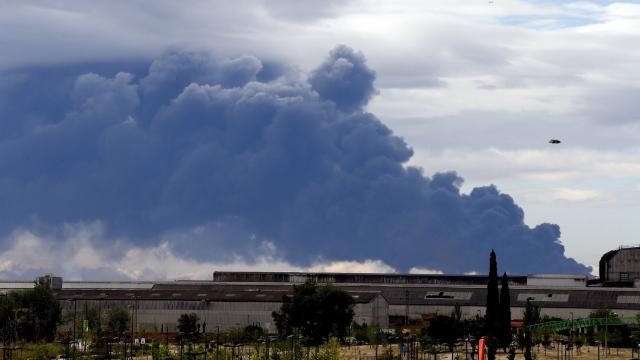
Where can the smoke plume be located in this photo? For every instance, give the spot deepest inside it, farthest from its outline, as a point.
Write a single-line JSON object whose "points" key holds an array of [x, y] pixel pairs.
{"points": [[218, 156]]}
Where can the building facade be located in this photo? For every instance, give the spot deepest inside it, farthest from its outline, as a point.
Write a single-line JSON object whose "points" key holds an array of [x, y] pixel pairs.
{"points": [[239, 299], [621, 267]]}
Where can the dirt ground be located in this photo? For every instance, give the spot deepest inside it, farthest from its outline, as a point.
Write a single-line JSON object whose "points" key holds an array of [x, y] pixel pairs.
{"points": [[366, 352]]}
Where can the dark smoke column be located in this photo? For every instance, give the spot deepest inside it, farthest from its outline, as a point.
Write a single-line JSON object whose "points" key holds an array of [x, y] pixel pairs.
{"points": [[237, 154]]}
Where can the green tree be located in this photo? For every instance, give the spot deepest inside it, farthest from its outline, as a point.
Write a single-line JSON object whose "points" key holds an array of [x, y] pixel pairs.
{"points": [[493, 307], [445, 329], [505, 312], [188, 324], [360, 331], [33, 314], [7, 311], [617, 336], [602, 314], [252, 333], [315, 312], [531, 317], [118, 321], [93, 315], [474, 326]]}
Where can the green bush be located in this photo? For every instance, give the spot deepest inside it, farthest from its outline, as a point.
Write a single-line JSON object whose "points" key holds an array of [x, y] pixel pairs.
{"points": [[328, 351]]}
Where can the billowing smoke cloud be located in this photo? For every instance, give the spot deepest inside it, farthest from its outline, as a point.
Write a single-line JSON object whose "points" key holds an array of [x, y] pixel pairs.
{"points": [[216, 156], [82, 251]]}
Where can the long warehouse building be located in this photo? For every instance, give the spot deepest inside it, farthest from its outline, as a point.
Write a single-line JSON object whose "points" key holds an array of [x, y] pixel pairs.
{"points": [[235, 299]]}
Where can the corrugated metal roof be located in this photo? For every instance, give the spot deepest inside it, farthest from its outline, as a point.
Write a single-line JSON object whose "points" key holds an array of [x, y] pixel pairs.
{"points": [[359, 278], [548, 297], [210, 293], [395, 294]]}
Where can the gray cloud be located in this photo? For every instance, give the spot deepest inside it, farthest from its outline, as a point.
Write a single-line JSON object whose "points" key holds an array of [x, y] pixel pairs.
{"points": [[344, 79], [246, 152], [612, 105]]}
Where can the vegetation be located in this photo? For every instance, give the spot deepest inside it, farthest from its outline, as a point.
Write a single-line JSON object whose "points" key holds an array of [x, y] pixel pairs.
{"points": [[32, 315], [118, 321], [364, 333], [93, 314], [531, 317], [252, 333], [505, 313], [493, 314], [315, 312], [188, 324], [446, 329], [497, 325], [617, 336]]}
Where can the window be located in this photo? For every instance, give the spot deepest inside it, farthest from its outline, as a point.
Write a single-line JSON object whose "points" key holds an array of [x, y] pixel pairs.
{"points": [[624, 276]]}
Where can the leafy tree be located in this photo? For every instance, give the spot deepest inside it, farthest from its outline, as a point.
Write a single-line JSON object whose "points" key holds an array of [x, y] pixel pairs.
{"points": [[505, 312], [33, 314], [445, 329], [315, 312], [252, 333], [93, 316], [367, 333], [531, 317], [118, 321], [602, 314], [617, 336], [360, 331], [475, 327], [549, 318], [7, 311], [493, 307], [188, 324]]}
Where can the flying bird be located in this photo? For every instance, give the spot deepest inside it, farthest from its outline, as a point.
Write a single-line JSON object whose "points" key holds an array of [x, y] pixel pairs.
{"points": [[554, 141]]}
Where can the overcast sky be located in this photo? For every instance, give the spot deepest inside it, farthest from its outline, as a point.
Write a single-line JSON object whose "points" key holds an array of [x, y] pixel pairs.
{"points": [[475, 87]]}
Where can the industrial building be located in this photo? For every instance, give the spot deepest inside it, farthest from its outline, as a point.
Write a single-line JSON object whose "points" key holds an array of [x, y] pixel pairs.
{"points": [[621, 267], [235, 299]]}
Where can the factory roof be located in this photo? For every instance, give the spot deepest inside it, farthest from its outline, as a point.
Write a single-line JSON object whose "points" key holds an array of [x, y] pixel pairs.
{"points": [[470, 295], [199, 293], [358, 278]]}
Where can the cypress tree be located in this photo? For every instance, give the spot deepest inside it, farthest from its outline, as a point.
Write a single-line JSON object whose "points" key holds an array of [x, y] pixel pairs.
{"points": [[492, 321], [505, 312]]}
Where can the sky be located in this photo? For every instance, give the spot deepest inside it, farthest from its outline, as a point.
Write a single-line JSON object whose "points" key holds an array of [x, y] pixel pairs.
{"points": [[162, 140]]}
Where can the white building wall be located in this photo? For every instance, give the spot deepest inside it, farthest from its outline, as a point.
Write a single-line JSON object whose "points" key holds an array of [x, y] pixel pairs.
{"points": [[557, 280], [156, 314]]}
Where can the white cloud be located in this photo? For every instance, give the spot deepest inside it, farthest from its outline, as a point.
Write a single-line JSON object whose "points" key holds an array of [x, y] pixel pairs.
{"points": [[419, 270], [576, 195], [553, 164], [366, 266], [75, 253]]}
